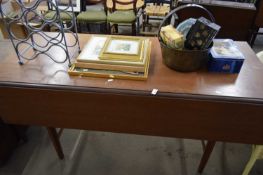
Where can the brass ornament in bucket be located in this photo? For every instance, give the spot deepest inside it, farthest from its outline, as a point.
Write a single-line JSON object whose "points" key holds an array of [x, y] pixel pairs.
{"points": [[183, 60]]}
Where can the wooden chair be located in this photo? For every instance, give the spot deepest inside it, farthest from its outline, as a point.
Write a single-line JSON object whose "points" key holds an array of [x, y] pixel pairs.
{"points": [[155, 10], [123, 17], [67, 14], [93, 16], [64, 16]]}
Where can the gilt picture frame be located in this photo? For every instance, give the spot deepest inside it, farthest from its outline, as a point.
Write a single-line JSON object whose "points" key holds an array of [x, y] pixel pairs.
{"points": [[122, 48], [115, 74]]}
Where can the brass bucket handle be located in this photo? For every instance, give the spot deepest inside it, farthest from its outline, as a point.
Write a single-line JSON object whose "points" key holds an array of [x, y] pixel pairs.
{"points": [[181, 8]]}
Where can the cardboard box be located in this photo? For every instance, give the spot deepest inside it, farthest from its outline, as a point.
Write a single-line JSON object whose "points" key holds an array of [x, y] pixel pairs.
{"points": [[201, 34]]}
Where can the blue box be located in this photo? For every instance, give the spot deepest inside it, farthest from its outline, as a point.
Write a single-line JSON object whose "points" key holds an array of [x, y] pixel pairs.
{"points": [[224, 65], [225, 57]]}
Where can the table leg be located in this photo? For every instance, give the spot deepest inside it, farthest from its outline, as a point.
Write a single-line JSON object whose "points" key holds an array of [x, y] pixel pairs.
{"points": [[55, 140], [207, 151]]}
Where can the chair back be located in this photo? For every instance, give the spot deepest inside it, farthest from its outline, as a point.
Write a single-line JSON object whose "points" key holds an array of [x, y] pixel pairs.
{"points": [[93, 2], [133, 2], [159, 2]]}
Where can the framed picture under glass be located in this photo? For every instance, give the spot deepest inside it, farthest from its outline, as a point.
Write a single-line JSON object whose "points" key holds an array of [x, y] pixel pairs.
{"points": [[122, 48], [105, 73], [92, 51]]}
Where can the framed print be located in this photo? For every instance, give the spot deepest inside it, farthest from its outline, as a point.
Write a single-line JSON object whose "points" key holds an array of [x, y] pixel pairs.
{"points": [[92, 49], [118, 74], [64, 5], [122, 48], [91, 53]]}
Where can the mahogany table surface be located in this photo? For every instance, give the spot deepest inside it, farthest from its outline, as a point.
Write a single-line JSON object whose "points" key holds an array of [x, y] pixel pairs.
{"points": [[197, 105]]}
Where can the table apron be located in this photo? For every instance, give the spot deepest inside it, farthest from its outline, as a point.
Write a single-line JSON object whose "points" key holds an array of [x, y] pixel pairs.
{"points": [[135, 114]]}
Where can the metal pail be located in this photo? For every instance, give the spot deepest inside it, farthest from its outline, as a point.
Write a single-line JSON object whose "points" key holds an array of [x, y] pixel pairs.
{"points": [[184, 60]]}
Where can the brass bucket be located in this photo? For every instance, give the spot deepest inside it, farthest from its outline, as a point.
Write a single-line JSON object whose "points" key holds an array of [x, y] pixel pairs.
{"points": [[184, 60]]}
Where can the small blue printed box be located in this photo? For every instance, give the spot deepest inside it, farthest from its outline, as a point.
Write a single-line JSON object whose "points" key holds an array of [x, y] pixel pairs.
{"points": [[225, 57]]}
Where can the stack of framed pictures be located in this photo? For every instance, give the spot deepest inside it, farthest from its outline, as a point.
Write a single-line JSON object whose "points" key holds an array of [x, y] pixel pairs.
{"points": [[114, 57]]}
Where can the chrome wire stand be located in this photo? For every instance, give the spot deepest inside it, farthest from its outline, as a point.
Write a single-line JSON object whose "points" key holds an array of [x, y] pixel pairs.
{"points": [[35, 24]]}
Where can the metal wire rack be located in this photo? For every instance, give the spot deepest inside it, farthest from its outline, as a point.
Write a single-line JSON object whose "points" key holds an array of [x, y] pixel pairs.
{"points": [[37, 41]]}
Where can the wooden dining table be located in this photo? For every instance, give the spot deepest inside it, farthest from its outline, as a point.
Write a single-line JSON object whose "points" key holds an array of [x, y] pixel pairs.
{"points": [[195, 105]]}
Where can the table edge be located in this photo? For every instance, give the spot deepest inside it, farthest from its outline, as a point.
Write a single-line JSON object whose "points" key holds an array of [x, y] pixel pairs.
{"points": [[116, 91]]}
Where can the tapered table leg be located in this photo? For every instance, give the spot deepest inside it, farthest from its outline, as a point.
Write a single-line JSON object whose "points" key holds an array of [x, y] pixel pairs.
{"points": [[207, 151], [55, 140]]}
